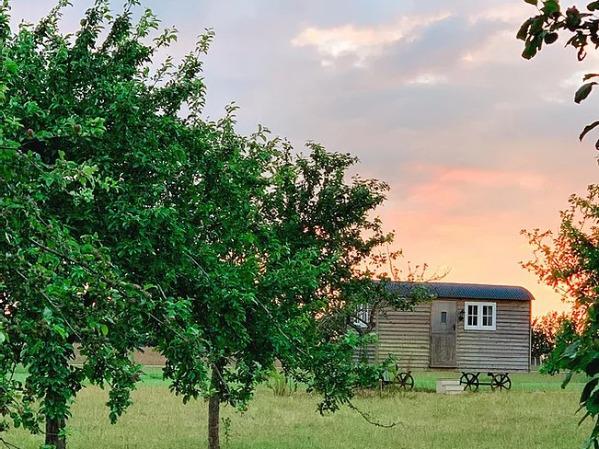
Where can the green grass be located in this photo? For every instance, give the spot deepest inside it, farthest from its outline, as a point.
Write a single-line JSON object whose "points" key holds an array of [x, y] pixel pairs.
{"points": [[426, 381], [536, 413]]}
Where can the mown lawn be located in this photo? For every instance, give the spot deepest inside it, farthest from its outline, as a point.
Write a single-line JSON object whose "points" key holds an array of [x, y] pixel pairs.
{"points": [[535, 414]]}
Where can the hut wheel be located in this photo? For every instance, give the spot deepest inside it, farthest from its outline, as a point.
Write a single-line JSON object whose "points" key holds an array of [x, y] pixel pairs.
{"points": [[405, 381], [501, 381], [470, 380]]}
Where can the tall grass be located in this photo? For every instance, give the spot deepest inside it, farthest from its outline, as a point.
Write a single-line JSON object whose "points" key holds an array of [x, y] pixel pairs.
{"points": [[280, 384], [536, 413]]}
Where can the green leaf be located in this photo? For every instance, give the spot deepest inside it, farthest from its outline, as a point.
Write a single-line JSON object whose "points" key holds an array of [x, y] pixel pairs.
{"points": [[11, 66], [588, 389], [536, 27], [523, 31], [104, 329], [60, 330], [571, 349], [593, 6], [529, 51], [550, 38], [531, 2], [550, 7], [588, 128], [89, 170], [47, 314], [583, 92], [87, 248]]}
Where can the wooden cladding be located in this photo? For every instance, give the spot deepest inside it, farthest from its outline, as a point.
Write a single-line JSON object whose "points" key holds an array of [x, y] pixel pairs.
{"points": [[407, 336]]}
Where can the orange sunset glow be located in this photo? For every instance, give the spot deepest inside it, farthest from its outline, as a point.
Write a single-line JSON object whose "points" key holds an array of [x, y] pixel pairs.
{"points": [[475, 143]]}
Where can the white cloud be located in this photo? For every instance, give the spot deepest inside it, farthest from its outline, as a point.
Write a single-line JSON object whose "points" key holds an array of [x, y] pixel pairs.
{"points": [[428, 79], [576, 79], [512, 13], [362, 42], [500, 47]]}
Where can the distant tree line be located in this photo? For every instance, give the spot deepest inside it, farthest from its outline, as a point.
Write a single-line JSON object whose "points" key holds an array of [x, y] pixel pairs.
{"points": [[547, 329]]}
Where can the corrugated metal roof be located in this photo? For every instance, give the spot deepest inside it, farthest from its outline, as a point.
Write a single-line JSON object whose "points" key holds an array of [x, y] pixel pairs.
{"points": [[455, 290]]}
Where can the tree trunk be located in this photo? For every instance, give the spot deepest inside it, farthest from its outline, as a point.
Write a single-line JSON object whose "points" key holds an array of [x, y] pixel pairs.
{"points": [[214, 421], [214, 407], [55, 433]]}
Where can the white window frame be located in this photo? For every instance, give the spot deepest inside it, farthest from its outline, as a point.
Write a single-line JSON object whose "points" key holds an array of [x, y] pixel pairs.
{"points": [[362, 317], [479, 316]]}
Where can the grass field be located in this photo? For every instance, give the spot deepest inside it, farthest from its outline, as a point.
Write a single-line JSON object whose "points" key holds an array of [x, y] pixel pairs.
{"points": [[536, 413]]}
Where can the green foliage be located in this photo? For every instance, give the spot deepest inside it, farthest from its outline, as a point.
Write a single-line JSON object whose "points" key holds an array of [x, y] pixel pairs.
{"points": [[581, 30], [546, 331], [60, 289], [130, 219], [79, 205], [569, 262]]}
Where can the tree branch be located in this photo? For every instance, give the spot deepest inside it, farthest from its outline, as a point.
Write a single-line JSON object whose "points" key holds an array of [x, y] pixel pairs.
{"points": [[369, 420]]}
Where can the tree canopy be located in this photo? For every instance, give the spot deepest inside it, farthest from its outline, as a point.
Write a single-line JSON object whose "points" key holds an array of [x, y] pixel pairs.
{"points": [[567, 260], [130, 220]]}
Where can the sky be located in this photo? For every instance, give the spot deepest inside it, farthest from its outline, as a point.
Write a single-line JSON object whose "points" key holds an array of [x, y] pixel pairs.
{"points": [[434, 98]]}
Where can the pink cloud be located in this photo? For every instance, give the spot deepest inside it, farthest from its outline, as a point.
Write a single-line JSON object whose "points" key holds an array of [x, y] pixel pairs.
{"points": [[451, 186], [484, 248]]}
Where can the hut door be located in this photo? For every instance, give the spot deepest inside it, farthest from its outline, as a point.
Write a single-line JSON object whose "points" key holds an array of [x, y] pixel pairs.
{"points": [[443, 334]]}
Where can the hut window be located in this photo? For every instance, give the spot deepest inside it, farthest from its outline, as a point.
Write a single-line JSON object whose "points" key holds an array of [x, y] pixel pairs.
{"points": [[472, 315], [443, 317], [480, 315], [487, 316]]}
